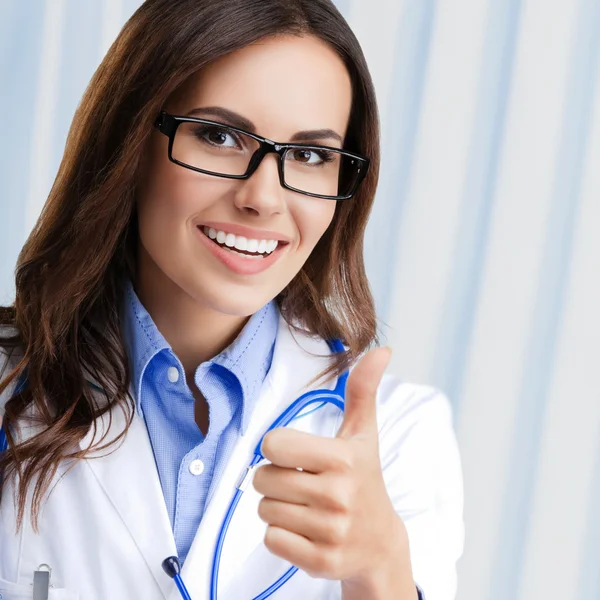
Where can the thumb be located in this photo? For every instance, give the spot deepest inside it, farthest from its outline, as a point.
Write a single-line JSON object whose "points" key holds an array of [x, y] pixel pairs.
{"points": [[360, 414]]}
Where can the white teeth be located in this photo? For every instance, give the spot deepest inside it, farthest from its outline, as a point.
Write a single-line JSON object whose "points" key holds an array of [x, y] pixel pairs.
{"points": [[240, 242]]}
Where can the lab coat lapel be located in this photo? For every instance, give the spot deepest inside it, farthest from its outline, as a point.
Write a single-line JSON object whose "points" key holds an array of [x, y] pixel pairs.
{"points": [[130, 479], [292, 368]]}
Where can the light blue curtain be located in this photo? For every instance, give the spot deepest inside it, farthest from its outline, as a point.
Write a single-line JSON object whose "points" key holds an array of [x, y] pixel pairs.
{"points": [[483, 249]]}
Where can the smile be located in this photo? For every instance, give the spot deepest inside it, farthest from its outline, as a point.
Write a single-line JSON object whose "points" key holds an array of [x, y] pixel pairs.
{"points": [[241, 245], [241, 255]]}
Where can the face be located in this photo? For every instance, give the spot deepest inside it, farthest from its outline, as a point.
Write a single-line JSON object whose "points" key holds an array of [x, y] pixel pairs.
{"points": [[283, 86]]}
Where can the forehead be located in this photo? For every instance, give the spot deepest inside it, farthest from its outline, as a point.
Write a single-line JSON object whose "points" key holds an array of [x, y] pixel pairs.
{"points": [[282, 84]]}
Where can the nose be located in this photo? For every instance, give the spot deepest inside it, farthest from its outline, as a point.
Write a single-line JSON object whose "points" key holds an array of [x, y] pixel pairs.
{"points": [[262, 193]]}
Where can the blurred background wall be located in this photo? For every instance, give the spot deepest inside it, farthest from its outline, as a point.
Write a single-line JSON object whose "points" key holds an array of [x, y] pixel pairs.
{"points": [[483, 249]]}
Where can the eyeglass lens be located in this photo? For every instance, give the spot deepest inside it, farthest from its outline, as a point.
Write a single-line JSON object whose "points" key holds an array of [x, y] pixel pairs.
{"points": [[222, 150]]}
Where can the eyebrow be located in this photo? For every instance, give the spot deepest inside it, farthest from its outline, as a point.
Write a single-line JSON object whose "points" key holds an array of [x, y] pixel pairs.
{"points": [[237, 120]]}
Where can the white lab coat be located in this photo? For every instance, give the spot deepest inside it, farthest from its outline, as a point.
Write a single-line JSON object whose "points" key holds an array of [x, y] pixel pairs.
{"points": [[105, 530]]}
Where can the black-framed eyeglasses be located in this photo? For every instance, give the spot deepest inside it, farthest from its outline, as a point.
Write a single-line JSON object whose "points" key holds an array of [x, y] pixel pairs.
{"points": [[218, 149]]}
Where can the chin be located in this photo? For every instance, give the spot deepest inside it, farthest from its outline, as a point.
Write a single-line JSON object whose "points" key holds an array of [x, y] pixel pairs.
{"points": [[242, 303]]}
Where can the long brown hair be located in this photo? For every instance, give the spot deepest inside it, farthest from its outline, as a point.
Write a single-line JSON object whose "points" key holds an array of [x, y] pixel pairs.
{"points": [[70, 273]]}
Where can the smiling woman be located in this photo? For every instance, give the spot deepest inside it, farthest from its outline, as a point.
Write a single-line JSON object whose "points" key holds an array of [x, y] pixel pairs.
{"points": [[198, 259], [317, 91]]}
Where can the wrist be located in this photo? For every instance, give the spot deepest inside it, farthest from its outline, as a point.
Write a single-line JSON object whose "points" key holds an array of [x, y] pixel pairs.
{"points": [[390, 578], [381, 586]]}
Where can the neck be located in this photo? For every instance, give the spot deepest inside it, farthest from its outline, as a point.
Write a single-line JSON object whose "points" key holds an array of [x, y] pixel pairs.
{"points": [[195, 331]]}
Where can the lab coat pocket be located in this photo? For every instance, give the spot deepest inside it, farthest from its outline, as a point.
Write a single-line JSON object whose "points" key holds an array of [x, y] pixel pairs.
{"points": [[19, 591]]}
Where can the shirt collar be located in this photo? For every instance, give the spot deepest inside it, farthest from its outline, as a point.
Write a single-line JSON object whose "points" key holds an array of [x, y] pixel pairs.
{"points": [[248, 357], [142, 338]]}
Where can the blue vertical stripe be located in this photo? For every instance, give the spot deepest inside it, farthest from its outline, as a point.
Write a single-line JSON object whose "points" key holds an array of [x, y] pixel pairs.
{"points": [[411, 50], [555, 268], [20, 43], [474, 225], [79, 58]]}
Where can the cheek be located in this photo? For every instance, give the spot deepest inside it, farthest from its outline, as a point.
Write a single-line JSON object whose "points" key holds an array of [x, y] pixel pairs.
{"points": [[313, 219], [163, 190], [155, 195], [170, 198], [160, 209]]}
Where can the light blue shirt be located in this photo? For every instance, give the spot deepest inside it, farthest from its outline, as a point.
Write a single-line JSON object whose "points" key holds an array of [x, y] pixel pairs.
{"points": [[189, 465]]}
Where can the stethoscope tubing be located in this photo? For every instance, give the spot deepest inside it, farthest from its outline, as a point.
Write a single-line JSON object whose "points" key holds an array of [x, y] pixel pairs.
{"points": [[335, 397], [312, 397]]}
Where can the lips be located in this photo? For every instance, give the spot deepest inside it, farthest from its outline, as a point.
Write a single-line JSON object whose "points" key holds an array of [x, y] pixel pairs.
{"points": [[238, 263], [239, 243]]}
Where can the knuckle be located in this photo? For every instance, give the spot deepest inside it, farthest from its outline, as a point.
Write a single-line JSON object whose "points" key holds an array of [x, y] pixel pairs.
{"points": [[336, 531], [338, 497], [267, 443], [270, 540], [331, 564], [271, 441], [258, 480], [263, 509], [344, 462], [317, 565]]}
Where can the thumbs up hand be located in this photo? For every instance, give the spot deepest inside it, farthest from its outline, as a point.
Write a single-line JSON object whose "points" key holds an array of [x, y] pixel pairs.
{"points": [[333, 518]]}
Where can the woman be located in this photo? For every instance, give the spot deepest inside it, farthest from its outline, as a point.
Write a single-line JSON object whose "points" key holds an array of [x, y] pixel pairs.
{"points": [[180, 290]]}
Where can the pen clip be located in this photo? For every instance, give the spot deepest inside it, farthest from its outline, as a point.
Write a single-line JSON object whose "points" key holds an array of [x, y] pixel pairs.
{"points": [[41, 582]]}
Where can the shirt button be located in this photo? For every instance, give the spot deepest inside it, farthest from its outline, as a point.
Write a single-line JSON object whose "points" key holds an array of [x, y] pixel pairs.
{"points": [[173, 374], [196, 467]]}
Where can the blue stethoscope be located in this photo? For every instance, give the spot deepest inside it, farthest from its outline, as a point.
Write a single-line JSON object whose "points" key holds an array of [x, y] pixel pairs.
{"points": [[171, 565]]}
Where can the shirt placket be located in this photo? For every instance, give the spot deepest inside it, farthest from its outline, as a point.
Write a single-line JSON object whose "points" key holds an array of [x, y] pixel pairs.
{"points": [[197, 467]]}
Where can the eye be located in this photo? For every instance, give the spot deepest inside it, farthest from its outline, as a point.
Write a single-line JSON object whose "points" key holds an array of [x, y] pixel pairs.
{"points": [[310, 157], [217, 136]]}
